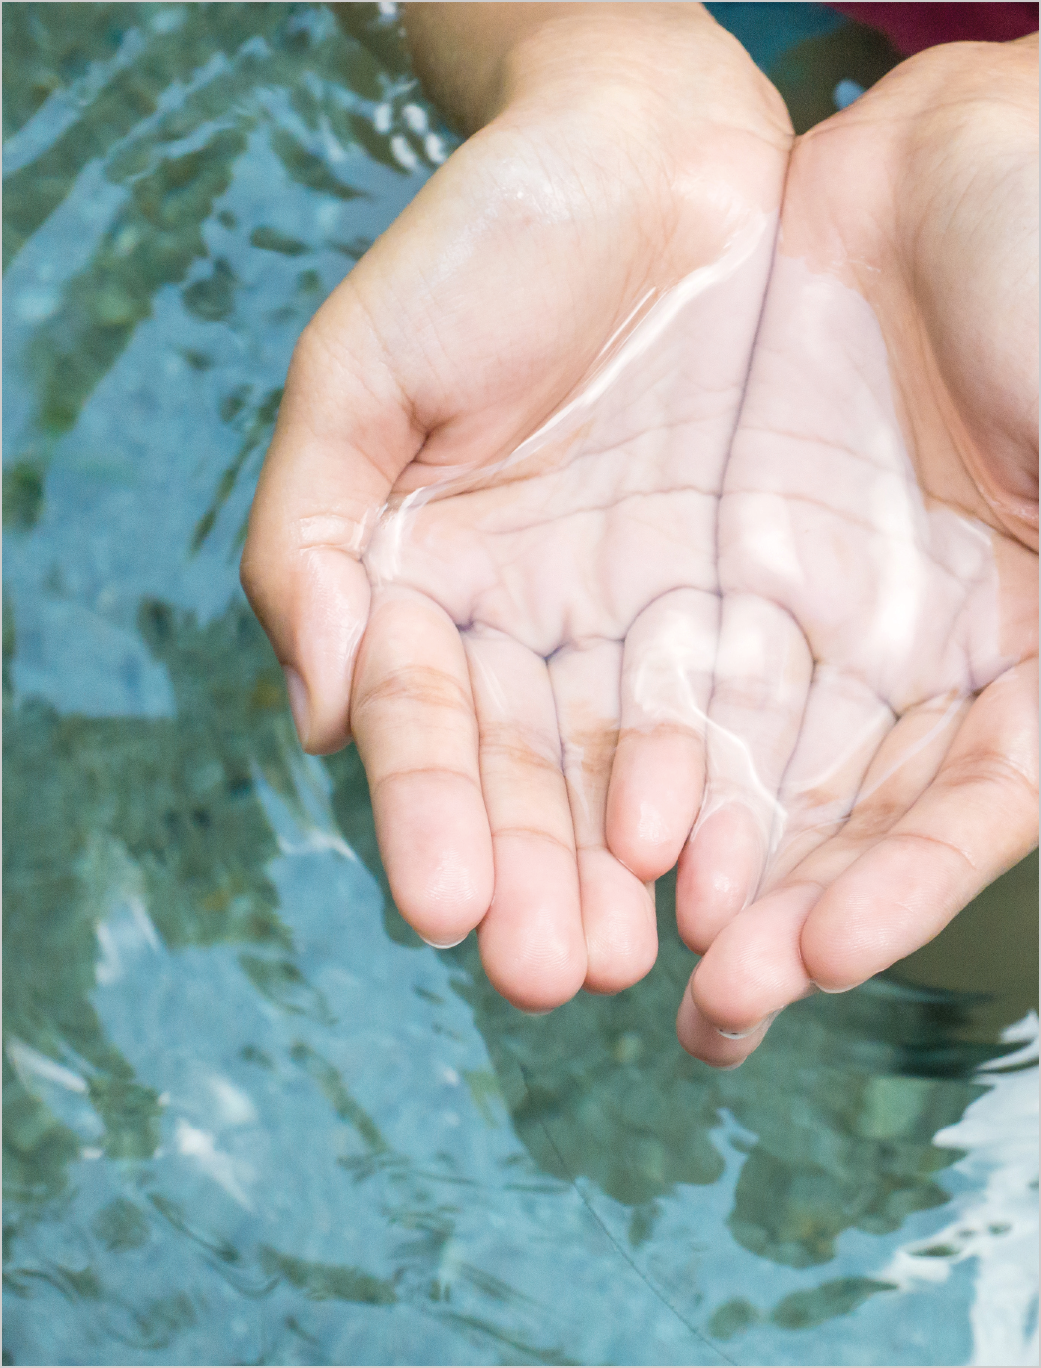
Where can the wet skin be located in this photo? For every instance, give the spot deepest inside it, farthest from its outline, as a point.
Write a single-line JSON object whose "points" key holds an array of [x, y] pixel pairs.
{"points": [[595, 505]]}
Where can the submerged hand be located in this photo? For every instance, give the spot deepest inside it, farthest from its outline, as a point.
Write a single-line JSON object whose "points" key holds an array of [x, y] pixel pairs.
{"points": [[878, 535], [485, 598]]}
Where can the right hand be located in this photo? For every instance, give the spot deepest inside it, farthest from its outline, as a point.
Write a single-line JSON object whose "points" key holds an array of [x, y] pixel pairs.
{"points": [[486, 660]]}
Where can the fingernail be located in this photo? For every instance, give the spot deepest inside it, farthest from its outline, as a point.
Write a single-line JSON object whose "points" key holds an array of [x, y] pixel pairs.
{"points": [[298, 705], [443, 945], [743, 1035]]}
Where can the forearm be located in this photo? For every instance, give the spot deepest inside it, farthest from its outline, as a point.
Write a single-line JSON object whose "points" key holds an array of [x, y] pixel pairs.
{"points": [[459, 52], [671, 61]]}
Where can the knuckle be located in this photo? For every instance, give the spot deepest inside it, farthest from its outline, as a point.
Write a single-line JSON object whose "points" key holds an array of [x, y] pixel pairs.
{"points": [[424, 685], [871, 821], [515, 748], [1003, 770]]}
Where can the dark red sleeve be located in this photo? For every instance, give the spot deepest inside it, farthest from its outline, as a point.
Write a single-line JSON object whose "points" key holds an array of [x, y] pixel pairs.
{"points": [[910, 27]]}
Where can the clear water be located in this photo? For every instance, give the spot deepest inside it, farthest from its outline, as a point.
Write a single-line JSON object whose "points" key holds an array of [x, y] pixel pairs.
{"points": [[249, 1117]]}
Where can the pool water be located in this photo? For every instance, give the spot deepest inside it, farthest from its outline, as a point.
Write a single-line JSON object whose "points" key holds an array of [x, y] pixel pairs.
{"points": [[249, 1116]]}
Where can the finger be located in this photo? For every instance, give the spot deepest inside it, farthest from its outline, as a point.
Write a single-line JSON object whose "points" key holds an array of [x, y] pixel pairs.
{"points": [[658, 772], [755, 967], [701, 1039], [532, 943], [904, 766], [617, 908], [762, 677], [751, 971], [975, 820], [843, 726], [343, 435], [413, 719]]}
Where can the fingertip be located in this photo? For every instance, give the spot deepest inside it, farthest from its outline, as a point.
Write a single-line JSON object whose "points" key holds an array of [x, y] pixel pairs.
{"points": [[655, 789], [730, 1004], [531, 941], [444, 899], [754, 967], [825, 957], [618, 916], [845, 940], [537, 993], [718, 871], [433, 836], [443, 945], [542, 973], [642, 840], [705, 1042], [614, 968], [747, 1032]]}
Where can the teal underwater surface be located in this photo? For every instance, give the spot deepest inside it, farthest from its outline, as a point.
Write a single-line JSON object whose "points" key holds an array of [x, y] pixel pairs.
{"points": [[249, 1116]]}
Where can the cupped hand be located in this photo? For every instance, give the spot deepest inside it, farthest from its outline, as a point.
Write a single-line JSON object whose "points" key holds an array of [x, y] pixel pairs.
{"points": [[877, 666], [483, 543]]}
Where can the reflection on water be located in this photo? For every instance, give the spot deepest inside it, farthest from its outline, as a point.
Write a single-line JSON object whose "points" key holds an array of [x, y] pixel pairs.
{"points": [[249, 1117]]}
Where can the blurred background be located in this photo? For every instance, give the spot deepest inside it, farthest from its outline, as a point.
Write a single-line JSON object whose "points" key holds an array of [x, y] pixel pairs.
{"points": [[249, 1116]]}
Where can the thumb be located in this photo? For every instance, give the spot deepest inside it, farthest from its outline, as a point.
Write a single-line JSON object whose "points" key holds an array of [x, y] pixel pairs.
{"points": [[343, 436]]}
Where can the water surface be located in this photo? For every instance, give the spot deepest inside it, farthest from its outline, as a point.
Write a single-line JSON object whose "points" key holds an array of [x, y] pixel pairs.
{"points": [[249, 1117]]}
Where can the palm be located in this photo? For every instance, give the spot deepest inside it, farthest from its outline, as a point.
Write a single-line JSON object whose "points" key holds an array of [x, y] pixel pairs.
{"points": [[612, 503]]}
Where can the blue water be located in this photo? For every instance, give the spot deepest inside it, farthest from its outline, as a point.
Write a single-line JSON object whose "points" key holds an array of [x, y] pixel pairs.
{"points": [[249, 1117], [768, 31]]}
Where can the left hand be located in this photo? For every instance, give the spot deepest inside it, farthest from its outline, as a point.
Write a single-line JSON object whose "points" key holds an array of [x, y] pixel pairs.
{"points": [[877, 554]]}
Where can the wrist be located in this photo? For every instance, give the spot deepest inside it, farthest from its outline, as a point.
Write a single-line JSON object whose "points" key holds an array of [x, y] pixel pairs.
{"points": [[653, 68], [664, 65]]}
